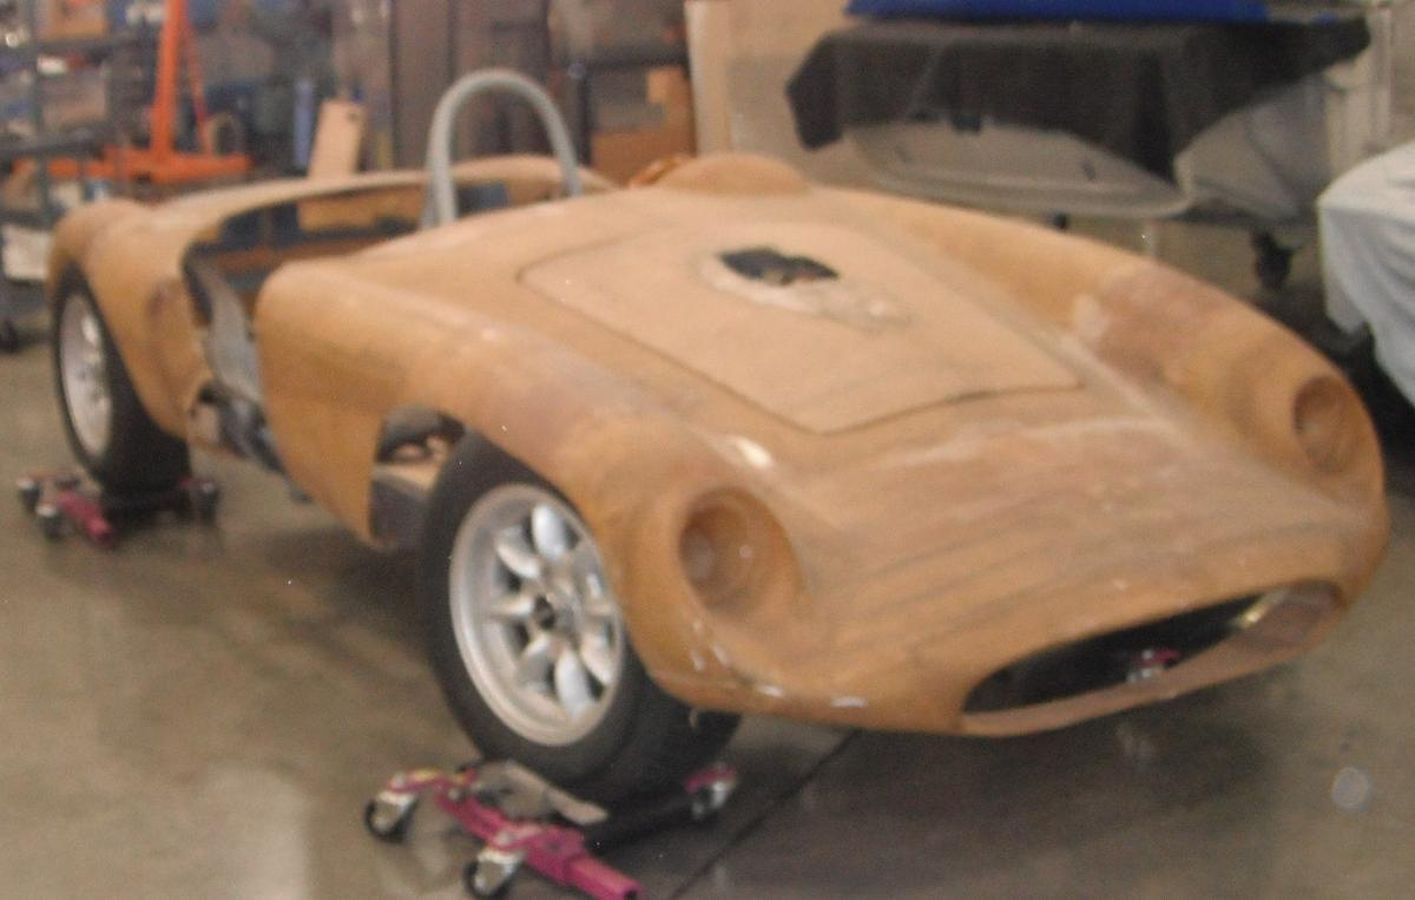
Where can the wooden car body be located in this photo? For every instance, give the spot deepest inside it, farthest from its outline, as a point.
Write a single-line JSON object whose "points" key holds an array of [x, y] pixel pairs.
{"points": [[855, 491]]}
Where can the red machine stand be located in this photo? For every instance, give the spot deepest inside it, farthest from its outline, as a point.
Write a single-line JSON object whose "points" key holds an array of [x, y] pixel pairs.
{"points": [[522, 820], [60, 501]]}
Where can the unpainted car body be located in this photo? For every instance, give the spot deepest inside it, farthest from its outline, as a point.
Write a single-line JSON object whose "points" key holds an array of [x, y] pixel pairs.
{"points": [[847, 458]]}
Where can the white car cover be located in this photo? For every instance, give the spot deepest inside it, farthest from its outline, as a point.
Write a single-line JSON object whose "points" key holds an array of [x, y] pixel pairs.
{"points": [[1368, 257]]}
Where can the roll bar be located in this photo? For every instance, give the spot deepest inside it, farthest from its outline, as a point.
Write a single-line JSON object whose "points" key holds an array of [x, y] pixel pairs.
{"points": [[441, 204]]}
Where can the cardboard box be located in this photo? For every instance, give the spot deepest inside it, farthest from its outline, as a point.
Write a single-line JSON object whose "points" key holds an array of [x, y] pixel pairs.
{"points": [[621, 154], [338, 140], [72, 19]]}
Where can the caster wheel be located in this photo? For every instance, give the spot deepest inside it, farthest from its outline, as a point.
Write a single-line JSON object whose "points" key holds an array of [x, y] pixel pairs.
{"points": [[386, 822], [485, 880], [51, 521], [29, 490]]}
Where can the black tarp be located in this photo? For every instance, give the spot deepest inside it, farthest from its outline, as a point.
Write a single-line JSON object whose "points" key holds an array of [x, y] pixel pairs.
{"points": [[1142, 92]]}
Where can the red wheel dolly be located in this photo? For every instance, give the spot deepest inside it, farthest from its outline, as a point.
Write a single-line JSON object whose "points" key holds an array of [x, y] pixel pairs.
{"points": [[522, 820], [63, 500]]}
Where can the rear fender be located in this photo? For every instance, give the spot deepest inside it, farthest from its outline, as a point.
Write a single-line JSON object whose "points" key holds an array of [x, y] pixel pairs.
{"points": [[138, 289]]}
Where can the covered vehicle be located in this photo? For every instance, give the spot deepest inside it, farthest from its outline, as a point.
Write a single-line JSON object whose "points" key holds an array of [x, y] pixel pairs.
{"points": [[730, 442]]}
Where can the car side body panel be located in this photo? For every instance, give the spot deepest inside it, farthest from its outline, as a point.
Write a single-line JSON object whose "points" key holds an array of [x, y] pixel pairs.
{"points": [[132, 257]]}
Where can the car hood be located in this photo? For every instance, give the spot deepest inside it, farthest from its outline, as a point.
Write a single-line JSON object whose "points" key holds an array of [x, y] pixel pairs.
{"points": [[821, 324], [797, 304]]}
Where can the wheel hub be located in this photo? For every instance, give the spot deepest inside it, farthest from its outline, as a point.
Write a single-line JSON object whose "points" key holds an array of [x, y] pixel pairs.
{"points": [[545, 616]]}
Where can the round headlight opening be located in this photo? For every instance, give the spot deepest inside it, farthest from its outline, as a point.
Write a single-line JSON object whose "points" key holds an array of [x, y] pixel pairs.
{"points": [[732, 550], [1327, 424]]}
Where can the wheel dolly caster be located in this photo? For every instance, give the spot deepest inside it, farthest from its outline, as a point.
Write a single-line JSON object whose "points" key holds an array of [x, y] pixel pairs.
{"points": [[387, 816], [51, 520], [523, 821], [30, 490], [490, 874], [61, 501], [56, 500], [49, 516]]}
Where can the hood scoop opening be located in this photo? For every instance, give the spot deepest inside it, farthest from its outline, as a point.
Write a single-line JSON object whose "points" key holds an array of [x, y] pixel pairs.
{"points": [[770, 266]]}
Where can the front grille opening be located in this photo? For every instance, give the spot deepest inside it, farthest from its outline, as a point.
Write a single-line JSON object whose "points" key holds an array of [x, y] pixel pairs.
{"points": [[1134, 654]]}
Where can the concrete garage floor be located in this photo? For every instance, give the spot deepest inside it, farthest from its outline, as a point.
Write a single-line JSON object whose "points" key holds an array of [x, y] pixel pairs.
{"points": [[205, 711]]}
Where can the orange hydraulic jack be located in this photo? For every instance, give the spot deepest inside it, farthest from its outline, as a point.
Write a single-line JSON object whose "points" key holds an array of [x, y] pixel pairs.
{"points": [[161, 163]]}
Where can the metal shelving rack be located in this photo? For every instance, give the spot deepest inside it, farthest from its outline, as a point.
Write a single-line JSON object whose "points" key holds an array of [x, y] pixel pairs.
{"points": [[42, 144]]}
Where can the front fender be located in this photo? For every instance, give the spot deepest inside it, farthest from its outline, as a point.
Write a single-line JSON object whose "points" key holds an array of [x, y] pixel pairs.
{"points": [[1177, 339], [338, 354]]}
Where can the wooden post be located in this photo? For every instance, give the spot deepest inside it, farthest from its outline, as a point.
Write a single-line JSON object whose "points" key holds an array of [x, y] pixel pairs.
{"points": [[709, 39]]}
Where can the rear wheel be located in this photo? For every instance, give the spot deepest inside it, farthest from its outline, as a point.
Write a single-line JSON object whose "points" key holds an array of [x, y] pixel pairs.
{"points": [[529, 644], [108, 428]]}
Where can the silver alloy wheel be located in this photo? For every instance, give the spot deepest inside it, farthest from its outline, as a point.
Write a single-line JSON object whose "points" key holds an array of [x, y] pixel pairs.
{"points": [[539, 630], [83, 369]]}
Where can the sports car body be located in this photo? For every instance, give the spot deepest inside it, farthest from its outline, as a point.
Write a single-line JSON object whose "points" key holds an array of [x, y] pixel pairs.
{"points": [[730, 441]]}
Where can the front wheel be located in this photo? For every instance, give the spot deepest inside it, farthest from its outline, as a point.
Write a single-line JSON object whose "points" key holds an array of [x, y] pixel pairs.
{"points": [[529, 643], [108, 428]]}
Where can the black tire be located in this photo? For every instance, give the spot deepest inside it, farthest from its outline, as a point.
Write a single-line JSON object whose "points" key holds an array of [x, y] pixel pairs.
{"points": [[139, 457], [646, 740]]}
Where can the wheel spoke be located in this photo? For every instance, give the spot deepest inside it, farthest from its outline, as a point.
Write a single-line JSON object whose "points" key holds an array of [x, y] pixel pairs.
{"points": [[516, 554], [598, 657], [549, 532], [514, 607], [598, 605], [589, 581], [533, 668], [572, 684], [583, 560]]}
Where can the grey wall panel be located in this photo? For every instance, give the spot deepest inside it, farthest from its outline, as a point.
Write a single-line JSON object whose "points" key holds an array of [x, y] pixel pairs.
{"points": [[422, 53]]}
